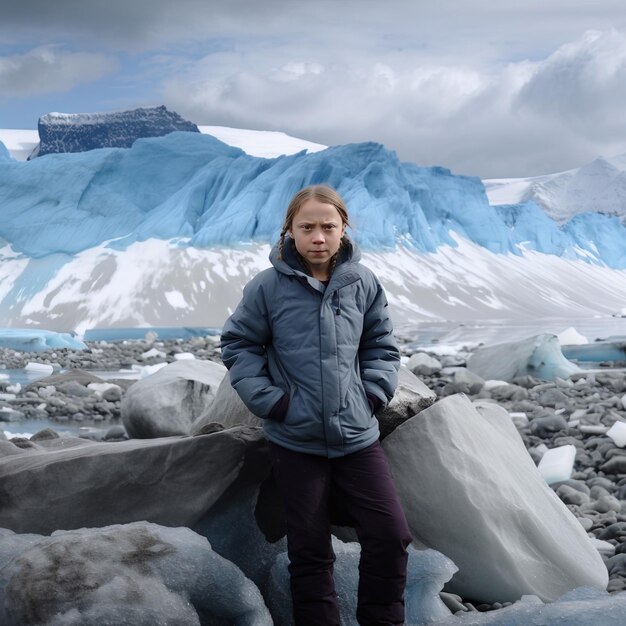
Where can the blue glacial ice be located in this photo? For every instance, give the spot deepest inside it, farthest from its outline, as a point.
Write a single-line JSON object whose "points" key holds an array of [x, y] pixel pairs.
{"points": [[427, 572], [29, 340], [193, 188], [4, 153], [583, 606]]}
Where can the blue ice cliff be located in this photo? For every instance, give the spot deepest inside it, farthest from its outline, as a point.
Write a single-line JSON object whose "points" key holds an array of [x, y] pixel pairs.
{"points": [[194, 188]]}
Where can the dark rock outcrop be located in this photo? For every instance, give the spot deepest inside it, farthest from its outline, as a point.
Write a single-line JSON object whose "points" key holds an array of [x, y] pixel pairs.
{"points": [[79, 132]]}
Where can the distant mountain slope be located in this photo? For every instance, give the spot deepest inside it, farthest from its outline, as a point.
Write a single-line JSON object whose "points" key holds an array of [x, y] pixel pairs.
{"points": [[597, 187], [158, 283]]}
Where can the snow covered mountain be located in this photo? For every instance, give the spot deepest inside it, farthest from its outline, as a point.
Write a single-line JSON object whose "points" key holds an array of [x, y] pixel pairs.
{"points": [[167, 232], [597, 187]]}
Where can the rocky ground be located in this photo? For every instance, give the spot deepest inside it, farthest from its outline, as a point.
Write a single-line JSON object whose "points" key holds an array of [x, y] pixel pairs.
{"points": [[578, 411]]}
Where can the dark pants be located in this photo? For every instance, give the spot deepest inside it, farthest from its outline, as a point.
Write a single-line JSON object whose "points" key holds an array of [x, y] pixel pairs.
{"points": [[364, 483]]}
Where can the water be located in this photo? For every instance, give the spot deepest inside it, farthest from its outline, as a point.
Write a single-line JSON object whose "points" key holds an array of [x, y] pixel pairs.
{"points": [[162, 332], [457, 334], [27, 428]]}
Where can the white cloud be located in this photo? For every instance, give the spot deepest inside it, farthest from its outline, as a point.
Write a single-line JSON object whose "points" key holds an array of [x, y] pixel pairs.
{"points": [[49, 69], [516, 118], [484, 87]]}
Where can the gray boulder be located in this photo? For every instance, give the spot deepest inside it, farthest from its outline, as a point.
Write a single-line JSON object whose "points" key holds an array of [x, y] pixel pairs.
{"points": [[422, 363], [169, 401], [134, 574], [411, 397], [226, 409], [172, 481], [471, 490], [539, 356]]}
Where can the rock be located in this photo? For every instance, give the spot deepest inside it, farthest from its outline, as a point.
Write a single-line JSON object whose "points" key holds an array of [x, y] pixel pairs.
{"points": [[79, 132], [553, 398], [169, 401], [132, 574], [74, 388], [411, 397], [170, 481], [569, 495], [545, 427], [226, 409], [115, 433], [615, 465], [539, 356], [9, 449], [45, 434], [421, 363], [616, 565], [112, 394], [472, 382], [463, 473], [427, 571]]}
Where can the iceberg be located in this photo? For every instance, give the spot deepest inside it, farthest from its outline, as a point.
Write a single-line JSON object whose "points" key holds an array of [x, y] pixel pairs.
{"points": [[29, 340], [465, 479], [540, 356], [597, 351]]}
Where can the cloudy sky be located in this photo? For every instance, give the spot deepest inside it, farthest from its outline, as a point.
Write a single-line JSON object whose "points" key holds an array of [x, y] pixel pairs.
{"points": [[484, 87]]}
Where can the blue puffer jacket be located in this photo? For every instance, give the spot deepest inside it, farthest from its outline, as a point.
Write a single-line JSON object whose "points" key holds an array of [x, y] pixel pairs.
{"points": [[326, 347]]}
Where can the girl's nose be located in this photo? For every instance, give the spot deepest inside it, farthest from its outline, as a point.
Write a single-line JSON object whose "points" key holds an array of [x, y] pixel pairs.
{"points": [[318, 236]]}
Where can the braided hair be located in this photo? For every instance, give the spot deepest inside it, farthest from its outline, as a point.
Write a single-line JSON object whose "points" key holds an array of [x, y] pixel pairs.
{"points": [[321, 193]]}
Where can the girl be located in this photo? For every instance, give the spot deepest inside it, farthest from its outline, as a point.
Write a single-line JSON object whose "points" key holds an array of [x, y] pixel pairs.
{"points": [[310, 350]]}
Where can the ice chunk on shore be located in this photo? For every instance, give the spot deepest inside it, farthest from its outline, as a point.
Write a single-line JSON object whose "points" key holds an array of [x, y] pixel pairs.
{"points": [[557, 464], [462, 471], [138, 573], [539, 356], [617, 432], [571, 337], [427, 572], [44, 368], [27, 340], [583, 606]]}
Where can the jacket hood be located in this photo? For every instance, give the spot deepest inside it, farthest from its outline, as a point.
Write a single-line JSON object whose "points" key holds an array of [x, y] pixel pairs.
{"points": [[290, 263]]}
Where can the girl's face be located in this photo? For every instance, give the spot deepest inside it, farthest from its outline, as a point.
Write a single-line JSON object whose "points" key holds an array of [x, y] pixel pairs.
{"points": [[317, 230]]}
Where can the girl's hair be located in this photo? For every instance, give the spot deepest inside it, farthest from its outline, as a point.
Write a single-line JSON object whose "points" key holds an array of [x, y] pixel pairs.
{"points": [[321, 193]]}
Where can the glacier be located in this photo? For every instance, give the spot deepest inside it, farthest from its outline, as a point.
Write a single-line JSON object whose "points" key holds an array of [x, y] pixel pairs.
{"points": [[194, 187], [166, 232]]}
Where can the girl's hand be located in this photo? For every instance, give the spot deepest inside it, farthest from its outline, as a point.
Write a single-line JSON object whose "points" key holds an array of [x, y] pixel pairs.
{"points": [[279, 410], [373, 401]]}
